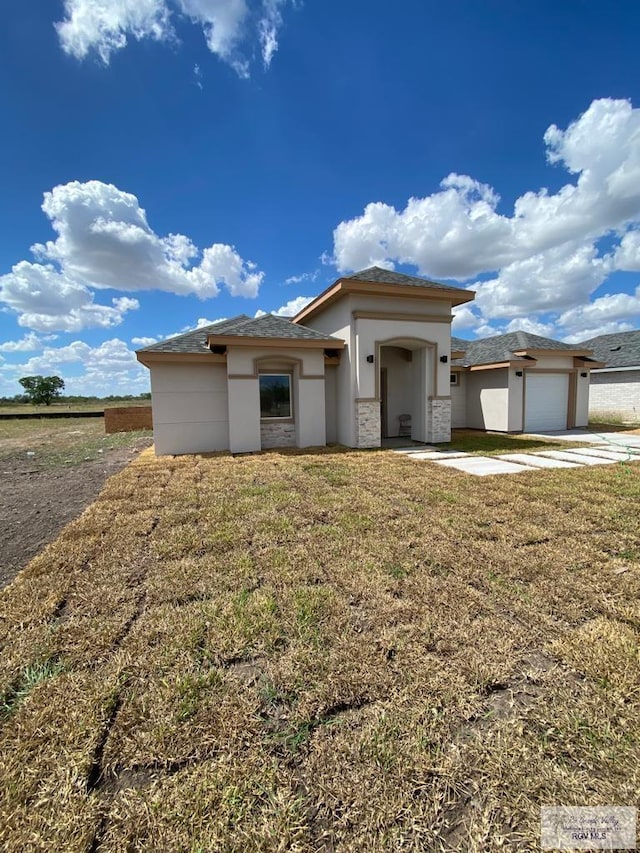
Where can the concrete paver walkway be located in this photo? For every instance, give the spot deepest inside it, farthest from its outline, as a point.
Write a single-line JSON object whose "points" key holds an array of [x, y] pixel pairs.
{"points": [[599, 451]]}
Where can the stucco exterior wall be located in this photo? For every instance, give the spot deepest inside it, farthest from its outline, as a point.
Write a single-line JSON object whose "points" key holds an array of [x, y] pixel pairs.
{"points": [[369, 333], [488, 399], [336, 321], [309, 402], [306, 367], [553, 362], [420, 414], [582, 398], [331, 404], [357, 380], [190, 408], [459, 401], [615, 393], [515, 415]]}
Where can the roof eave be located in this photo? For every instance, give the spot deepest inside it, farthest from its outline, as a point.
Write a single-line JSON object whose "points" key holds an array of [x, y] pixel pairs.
{"points": [[271, 342], [148, 358], [537, 351], [494, 365]]}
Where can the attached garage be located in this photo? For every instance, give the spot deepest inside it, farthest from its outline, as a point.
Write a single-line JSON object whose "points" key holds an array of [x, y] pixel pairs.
{"points": [[546, 403]]}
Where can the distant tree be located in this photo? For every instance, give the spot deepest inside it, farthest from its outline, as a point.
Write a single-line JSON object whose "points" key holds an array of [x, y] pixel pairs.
{"points": [[42, 389]]}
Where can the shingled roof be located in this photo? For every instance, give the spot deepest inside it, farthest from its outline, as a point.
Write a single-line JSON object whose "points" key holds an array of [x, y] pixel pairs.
{"points": [[621, 349], [196, 339], [382, 276], [267, 326], [273, 326], [501, 348]]}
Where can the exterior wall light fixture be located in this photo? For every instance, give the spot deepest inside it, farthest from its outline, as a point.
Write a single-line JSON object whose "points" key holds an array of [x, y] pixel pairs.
{"points": [[369, 359], [518, 373], [444, 359]]}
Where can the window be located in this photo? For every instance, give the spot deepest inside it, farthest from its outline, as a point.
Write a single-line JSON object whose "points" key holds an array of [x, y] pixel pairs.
{"points": [[275, 395], [453, 378]]}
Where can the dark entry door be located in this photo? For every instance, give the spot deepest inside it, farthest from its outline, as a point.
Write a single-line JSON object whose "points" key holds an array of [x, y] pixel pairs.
{"points": [[383, 402]]}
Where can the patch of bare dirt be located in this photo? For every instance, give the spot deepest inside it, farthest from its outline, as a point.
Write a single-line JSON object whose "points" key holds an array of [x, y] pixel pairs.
{"points": [[36, 503]]}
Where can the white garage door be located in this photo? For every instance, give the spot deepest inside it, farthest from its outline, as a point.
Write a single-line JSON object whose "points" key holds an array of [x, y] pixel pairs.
{"points": [[546, 401]]}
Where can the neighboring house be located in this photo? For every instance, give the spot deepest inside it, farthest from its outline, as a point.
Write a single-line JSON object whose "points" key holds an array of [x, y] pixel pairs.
{"points": [[615, 387], [368, 358], [520, 382]]}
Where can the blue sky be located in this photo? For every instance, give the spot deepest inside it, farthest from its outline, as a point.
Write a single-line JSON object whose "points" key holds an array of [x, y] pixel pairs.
{"points": [[169, 162]]}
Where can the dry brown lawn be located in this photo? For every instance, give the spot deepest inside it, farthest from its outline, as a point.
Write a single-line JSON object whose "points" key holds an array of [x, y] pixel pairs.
{"points": [[333, 651]]}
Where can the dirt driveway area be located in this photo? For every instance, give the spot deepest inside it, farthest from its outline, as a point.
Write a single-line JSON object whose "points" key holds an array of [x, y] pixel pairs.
{"points": [[50, 472]]}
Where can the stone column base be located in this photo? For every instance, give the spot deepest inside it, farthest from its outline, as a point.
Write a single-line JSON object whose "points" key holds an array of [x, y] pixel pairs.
{"points": [[439, 415], [367, 424]]}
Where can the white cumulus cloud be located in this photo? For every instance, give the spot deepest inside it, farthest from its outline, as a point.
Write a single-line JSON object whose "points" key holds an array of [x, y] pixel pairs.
{"points": [[290, 308], [303, 277], [105, 241], [110, 368], [545, 253], [294, 306], [229, 26], [143, 342], [28, 343]]}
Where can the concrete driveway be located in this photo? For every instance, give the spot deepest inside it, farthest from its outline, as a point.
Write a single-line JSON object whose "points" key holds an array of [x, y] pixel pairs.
{"points": [[625, 439]]}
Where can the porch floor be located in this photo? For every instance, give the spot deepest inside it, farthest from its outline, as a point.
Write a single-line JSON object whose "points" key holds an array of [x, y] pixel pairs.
{"points": [[402, 441]]}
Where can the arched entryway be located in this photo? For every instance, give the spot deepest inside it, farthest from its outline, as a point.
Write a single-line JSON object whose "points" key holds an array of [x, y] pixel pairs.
{"points": [[406, 382]]}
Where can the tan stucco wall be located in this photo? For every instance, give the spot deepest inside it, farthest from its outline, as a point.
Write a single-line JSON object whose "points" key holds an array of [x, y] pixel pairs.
{"points": [[488, 399], [190, 413]]}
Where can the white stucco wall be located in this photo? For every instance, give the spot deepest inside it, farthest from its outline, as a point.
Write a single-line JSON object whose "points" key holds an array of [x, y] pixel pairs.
{"points": [[336, 321], [190, 412], [615, 393], [488, 399]]}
